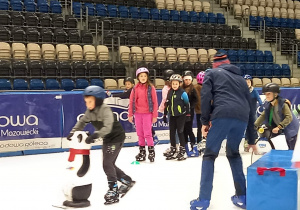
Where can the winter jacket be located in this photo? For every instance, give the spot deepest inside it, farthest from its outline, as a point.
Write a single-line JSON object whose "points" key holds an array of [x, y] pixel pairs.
{"points": [[254, 98], [105, 123], [124, 95], [177, 103], [164, 94], [198, 88], [225, 94], [283, 117], [193, 98], [143, 100]]}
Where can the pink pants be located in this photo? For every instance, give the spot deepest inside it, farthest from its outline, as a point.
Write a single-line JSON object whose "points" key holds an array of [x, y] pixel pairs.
{"points": [[143, 125]]}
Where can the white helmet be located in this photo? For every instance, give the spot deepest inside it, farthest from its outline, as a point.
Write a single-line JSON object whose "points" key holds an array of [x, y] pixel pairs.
{"points": [[176, 77]]}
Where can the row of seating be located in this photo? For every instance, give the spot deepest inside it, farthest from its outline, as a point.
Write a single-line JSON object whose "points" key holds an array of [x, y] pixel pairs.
{"points": [[37, 19], [60, 69], [31, 6], [177, 40], [117, 24], [259, 22], [45, 35], [265, 70], [130, 3], [186, 5], [145, 13], [249, 56], [283, 82], [33, 51], [289, 4], [240, 11]]}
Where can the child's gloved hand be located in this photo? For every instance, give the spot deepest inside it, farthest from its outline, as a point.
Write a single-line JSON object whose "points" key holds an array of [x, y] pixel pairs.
{"points": [[70, 136], [188, 118], [108, 93], [165, 119], [91, 139]]}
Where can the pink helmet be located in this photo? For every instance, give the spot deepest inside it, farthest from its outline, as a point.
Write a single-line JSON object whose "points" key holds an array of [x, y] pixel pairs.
{"points": [[200, 77], [141, 70]]}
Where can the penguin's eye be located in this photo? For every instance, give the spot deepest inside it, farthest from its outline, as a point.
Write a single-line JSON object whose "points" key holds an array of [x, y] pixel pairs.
{"points": [[79, 137]]}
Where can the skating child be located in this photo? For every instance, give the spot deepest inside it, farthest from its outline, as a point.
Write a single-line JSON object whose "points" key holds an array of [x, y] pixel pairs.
{"points": [[193, 99], [254, 99], [110, 130], [178, 108], [198, 87], [143, 105], [278, 115]]}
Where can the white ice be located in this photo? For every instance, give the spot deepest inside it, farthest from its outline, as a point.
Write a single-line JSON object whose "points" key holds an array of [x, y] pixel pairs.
{"points": [[34, 182]]}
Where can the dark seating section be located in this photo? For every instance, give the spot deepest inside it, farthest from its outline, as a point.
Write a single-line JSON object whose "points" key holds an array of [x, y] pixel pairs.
{"points": [[129, 3], [42, 6]]}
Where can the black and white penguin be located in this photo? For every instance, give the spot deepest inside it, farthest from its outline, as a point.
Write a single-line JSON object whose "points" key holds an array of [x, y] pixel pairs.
{"points": [[79, 186]]}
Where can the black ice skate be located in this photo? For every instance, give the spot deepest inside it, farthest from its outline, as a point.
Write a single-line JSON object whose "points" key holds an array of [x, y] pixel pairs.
{"points": [[172, 154], [151, 155], [181, 154], [127, 184], [142, 155], [112, 195]]}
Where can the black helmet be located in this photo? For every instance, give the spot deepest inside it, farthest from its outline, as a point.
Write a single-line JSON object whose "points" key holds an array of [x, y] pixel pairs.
{"points": [[188, 73], [167, 74], [271, 87], [129, 79]]}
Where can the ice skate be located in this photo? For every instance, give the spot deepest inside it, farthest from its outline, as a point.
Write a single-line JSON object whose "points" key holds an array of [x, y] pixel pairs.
{"points": [[199, 204]]}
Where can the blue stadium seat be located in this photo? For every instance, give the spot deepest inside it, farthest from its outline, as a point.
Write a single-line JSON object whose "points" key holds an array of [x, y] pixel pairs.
{"points": [[52, 84], [76, 8], [67, 84], [5, 84], [296, 23], [242, 55], [16, 5], [268, 70], [286, 71], [268, 57], [242, 68], [184, 16], [81, 83], [144, 13], [275, 22], [174, 15], [232, 55], [290, 23], [134, 12], [212, 18], [4, 5], [112, 10], [100, 10], [253, 24], [97, 82], [154, 14], [260, 56], [222, 51], [55, 7], [36, 84], [259, 70], [251, 56], [20, 84], [194, 17], [123, 12], [43, 6], [90, 7], [202, 17], [249, 69], [277, 70], [268, 22], [164, 14], [30, 6], [220, 18], [283, 23]]}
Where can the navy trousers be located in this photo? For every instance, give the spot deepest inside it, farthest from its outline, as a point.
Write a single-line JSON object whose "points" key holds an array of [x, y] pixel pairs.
{"points": [[233, 130]]}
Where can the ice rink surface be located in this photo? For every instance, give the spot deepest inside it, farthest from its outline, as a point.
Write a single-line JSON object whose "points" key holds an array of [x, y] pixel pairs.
{"points": [[35, 182]]}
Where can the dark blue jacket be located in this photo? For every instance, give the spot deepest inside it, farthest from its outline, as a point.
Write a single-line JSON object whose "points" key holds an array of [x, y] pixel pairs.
{"points": [[225, 94], [254, 99], [177, 103]]}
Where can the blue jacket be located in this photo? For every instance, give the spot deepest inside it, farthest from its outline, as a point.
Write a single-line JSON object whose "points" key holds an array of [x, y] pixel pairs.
{"points": [[292, 129], [177, 103], [225, 94], [255, 98]]}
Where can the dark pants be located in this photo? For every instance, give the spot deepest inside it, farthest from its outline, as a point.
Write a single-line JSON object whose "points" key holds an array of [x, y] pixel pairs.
{"points": [[199, 127], [221, 128], [188, 130], [110, 155], [291, 142], [176, 123]]}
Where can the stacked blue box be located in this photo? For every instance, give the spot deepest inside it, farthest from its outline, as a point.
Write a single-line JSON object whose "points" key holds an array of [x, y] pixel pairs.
{"points": [[272, 183]]}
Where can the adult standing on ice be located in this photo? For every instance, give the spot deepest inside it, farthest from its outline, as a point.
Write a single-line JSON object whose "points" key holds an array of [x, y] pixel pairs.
{"points": [[225, 102]]}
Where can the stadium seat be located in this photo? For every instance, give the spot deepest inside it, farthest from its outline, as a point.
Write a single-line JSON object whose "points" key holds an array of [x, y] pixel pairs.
{"points": [[67, 84], [97, 82], [5, 84], [36, 84], [81, 83], [20, 84], [52, 84]]}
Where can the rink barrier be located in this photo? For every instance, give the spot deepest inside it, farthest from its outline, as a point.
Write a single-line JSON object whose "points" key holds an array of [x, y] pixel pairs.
{"points": [[38, 122]]}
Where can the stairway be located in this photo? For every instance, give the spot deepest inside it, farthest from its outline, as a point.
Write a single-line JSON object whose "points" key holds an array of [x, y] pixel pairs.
{"points": [[261, 44]]}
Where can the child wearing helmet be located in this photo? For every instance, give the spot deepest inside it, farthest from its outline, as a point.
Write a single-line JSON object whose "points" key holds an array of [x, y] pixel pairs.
{"points": [[278, 115], [129, 84], [178, 107], [254, 99], [198, 87], [193, 99], [111, 131], [143, 106]]}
